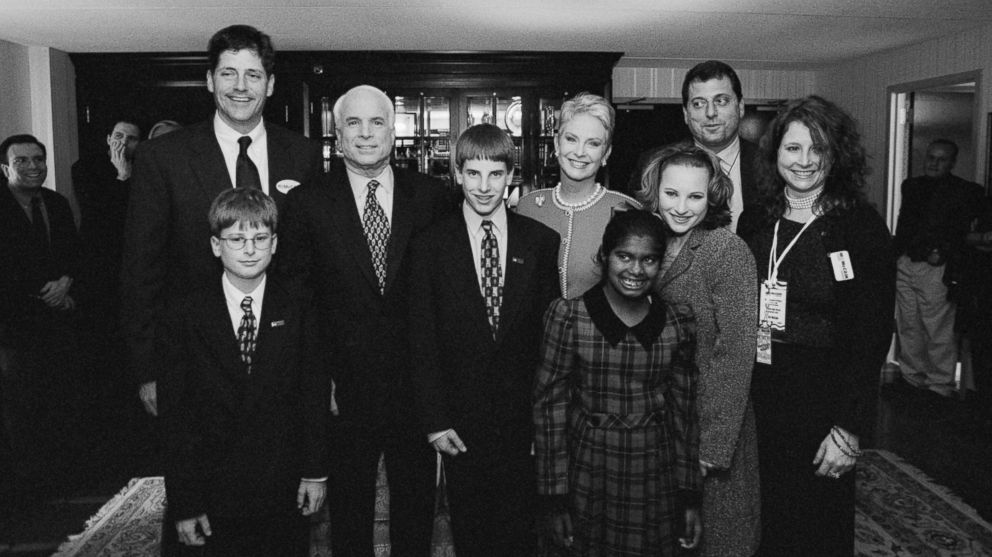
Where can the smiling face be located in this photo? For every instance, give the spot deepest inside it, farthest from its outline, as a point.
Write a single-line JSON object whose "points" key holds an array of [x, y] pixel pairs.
{"points": [[801, 164], [245, 266], [713, 113], [25, 167], [683, 197], [633, 266], [583, 147], [240, 86], [483, 183], [365, 133]]}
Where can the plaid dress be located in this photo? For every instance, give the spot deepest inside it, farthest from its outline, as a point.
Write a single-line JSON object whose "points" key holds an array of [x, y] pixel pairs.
{"points": [[616, 423]]}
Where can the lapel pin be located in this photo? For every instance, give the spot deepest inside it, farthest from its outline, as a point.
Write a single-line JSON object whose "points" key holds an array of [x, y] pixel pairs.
{"points": [[519, 260], [279, 323]]}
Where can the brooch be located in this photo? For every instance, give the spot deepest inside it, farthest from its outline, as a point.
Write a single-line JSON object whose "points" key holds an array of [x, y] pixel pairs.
{"points": [[539, 201]]}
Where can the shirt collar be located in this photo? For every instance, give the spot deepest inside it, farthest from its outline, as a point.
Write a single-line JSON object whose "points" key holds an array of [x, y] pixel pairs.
{"points": [[729, 153], [360, 182], [232, 293], [227, 133], [474, 220], [614, 329]]}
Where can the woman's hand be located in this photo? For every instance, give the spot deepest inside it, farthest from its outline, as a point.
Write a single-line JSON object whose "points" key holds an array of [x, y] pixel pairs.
{"points": [[836, 455]]}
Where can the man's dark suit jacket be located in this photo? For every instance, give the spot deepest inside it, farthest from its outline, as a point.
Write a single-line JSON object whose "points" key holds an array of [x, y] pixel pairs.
{"points": [[166, 246], [23, 269], [239, 443], [749, 172], [464, 378], [323, 243]]}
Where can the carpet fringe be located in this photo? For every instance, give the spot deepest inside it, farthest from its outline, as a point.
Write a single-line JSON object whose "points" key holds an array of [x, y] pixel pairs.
{"points": [[70, 543], [944, 492]]}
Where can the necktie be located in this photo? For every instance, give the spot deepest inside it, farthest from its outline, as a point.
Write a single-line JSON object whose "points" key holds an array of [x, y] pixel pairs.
{"points": [[491, 274], [246, 333], [39, 231], [376, 228], [246, 173]]}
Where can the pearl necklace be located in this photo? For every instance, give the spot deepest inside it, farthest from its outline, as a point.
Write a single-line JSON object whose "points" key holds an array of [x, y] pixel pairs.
{"points": [[592, 199], [566, 241], [807, 202]]}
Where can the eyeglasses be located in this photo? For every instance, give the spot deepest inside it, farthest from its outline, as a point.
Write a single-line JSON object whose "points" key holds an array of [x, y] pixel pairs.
{"points": [[262, 241]]}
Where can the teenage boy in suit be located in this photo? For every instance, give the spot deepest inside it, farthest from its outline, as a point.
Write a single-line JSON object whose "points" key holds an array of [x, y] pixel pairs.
{"points": [[481, 281], [246, 449]]}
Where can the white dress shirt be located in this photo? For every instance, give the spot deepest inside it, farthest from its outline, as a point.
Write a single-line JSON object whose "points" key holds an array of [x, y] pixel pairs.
{"points": [[258, 151], [473, 222], [383, 194], [730, 161], [234, 298]]}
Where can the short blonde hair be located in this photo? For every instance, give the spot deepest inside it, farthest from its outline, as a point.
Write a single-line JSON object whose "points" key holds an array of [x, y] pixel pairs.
{"points": [[593, 105]]}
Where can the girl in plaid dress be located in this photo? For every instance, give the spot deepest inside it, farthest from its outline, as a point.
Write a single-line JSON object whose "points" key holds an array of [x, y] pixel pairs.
{"points": [[617, 435]]}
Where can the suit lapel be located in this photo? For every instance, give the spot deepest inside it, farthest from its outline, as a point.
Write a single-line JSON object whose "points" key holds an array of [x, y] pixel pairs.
{"points": [[685, 258], [221, 337], [348, 224], [280, 162], [401, 226], [207, 161], [458, 263], [519, 267]]}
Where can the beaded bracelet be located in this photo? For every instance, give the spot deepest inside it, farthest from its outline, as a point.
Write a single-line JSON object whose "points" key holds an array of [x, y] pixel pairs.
{"points": [[849, 451]]}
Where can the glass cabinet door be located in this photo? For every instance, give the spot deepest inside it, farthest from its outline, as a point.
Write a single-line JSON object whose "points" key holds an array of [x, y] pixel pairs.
{"points": [[506, 112], [549, 113], [423, 134], [407, 149]]}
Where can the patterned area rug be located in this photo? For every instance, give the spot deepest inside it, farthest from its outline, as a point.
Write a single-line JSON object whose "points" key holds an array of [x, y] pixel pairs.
{"points": [[902, 512], [130, 525]]}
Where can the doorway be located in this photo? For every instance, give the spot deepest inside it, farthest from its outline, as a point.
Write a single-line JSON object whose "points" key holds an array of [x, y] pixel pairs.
{"points": [[919, 112]]}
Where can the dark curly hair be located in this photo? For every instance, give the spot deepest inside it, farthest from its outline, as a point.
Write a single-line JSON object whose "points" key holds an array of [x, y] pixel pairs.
{"points": [[836, 134], [718, 191]]}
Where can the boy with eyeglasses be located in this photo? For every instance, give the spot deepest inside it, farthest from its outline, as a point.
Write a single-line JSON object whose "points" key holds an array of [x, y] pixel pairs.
{"points": [[246, 444]]}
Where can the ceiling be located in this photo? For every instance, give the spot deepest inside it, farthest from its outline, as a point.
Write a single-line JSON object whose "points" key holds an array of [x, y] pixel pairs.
{"points": [[799, 32]]}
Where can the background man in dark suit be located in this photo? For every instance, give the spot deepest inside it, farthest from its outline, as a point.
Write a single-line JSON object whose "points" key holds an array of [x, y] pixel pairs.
{"points": [[177, 175], [39, 260], [348, 239], [482, 280], [713, 105]]}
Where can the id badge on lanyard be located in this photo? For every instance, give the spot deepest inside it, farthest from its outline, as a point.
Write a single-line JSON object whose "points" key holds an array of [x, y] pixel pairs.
{"points": [[773, 297]]}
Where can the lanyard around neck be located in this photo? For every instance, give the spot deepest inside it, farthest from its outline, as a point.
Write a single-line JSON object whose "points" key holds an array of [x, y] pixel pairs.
{"points": [[773, 261]]}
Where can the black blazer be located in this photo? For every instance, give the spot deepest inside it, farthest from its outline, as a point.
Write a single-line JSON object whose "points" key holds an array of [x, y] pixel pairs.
{"points": [[23, 271], [322, 242], [238, 443], [166, 245], [464, 378]]}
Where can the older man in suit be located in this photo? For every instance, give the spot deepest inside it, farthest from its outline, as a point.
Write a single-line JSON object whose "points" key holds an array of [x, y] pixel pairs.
{"points": [[348, 238], [177, 175], [713, 106]]}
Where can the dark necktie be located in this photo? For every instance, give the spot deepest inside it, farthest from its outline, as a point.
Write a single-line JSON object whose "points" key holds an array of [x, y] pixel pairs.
{"points": [[246, 173], [491, 273], [39, 230], [376, 234], [246, 333]]}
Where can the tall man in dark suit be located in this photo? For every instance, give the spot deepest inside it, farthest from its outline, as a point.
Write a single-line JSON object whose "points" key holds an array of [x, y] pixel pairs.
{"points": [[348, 238], [39, 260], [177, 175], [713, 105], [482, 280]]}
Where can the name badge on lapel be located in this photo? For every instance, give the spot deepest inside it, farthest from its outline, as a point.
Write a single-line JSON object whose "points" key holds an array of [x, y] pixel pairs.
{"points": [[841, 261]]}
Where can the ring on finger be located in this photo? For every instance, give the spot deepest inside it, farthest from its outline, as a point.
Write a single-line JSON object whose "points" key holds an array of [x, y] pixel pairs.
{"points": [[834, 475]]}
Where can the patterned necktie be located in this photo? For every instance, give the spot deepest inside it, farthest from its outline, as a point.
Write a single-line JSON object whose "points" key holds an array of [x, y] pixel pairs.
{"points": [[39, 231], [376, 228], [491, 274], [246, 333], [246, 173]]}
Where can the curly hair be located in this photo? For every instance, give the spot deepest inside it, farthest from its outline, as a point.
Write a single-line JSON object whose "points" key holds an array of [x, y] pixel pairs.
{"points": [[836, 135], [718, 191]]}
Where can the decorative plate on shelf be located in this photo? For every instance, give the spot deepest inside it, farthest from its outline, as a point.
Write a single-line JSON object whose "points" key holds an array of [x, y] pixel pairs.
{"points": [[514, 117]]}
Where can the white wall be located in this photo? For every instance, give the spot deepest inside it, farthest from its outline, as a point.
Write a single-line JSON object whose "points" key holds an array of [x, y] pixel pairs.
{"points": [[15, 90], [860, 86]]}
